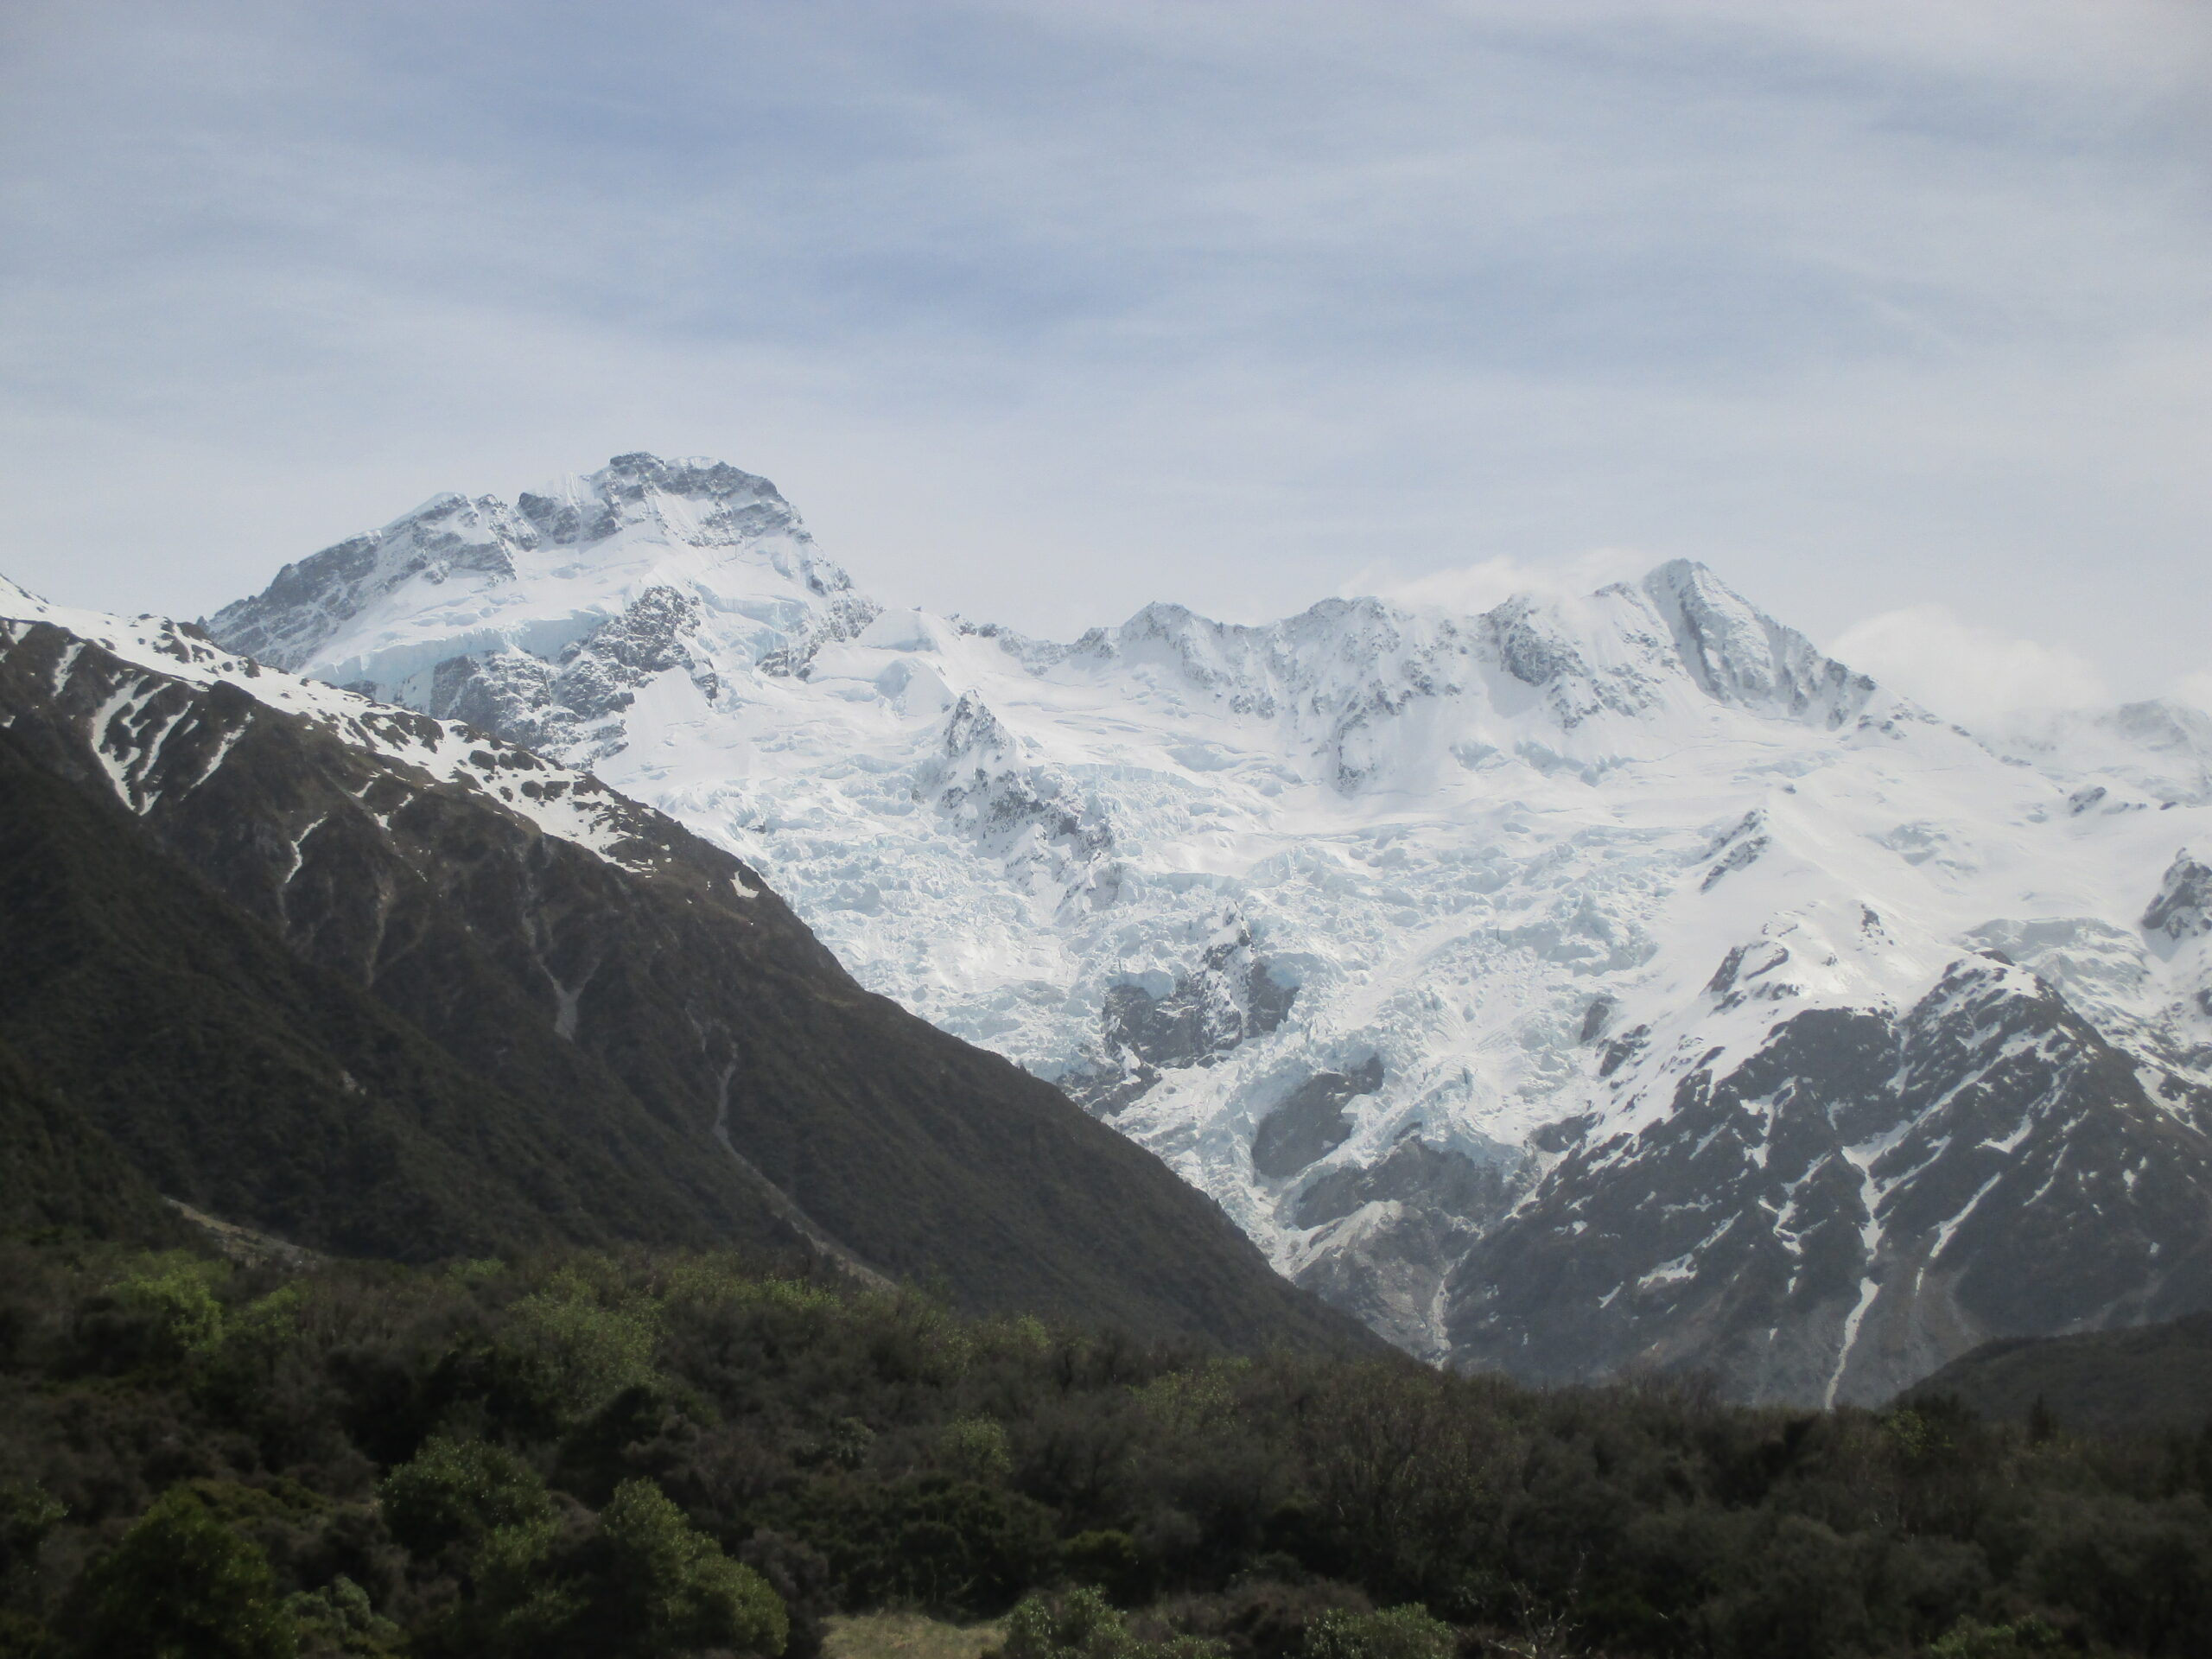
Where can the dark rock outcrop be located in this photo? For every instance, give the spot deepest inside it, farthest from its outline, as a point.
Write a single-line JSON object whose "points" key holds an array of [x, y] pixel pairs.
{"points": [[1231, 995], [2183, 909], [1309, 1123]]}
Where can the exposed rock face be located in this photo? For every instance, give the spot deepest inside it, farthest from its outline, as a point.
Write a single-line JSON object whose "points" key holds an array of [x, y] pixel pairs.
{"points": [[1229, 997], [1738, 656], [1028, 816], [1542, 864], [1311, 1123], [2183, 909], [1414, 1173], [447, 536], [653, 566], [1387, 1235], [1856, 1201], [379, 982]]}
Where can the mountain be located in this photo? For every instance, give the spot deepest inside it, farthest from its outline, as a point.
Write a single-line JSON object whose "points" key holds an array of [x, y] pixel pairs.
{"points": [[62, 1174], [2148, 1379], [1604, 981], [380, 984]]}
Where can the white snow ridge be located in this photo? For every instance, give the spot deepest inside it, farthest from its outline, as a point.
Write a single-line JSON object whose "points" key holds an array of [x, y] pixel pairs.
{"points": [[1579, 985]]}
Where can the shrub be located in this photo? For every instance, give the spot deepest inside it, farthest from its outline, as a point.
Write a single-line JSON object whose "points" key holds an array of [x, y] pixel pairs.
{"points": [[525, 1604], [28, 1513], [975, 1448], [1109, 1559], [572, 1352], [23, 1638], [1970, 1639], [1406, 1633], [457, 1491], [173, 1297], [1083, 1625], [181, 1584], [1266, 1618], [672, 1590], [338, 1619], [800, 1576], [952, 1545]]}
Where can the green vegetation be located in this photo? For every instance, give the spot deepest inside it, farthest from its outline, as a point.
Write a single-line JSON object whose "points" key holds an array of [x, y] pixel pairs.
{"points": [[2143, 1377], [907, 1636], [662, 1454]]}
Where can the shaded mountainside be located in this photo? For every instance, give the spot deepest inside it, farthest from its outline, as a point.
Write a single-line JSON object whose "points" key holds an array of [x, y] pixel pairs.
{"points": [[375, 983], [62, 1173], [2152, 1378]]}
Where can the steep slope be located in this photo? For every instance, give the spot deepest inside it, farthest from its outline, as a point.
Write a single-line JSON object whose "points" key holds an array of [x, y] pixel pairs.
{"points": [[61, 1174], [378, 982], [1854, 1199], [1420, 940], [255, 1087], [2148, 1379]]}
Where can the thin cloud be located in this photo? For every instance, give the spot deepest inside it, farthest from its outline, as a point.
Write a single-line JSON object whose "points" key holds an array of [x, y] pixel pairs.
{"points": [[1968, 673], [1040, 312], [1470, 589]]}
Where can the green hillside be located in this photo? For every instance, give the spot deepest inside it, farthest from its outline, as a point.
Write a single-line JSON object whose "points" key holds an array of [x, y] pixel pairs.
{"points": [[2144, 1379]]}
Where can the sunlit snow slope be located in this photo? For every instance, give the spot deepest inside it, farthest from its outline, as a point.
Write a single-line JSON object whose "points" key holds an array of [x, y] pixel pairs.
{"points": [[1587, 983]]}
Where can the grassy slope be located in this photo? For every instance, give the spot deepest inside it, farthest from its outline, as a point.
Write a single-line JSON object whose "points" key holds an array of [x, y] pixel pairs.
{"points": [[907, 1636]]}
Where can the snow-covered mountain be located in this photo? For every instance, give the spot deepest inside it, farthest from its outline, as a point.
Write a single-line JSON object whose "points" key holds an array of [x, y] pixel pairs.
{"points": [[1597, 981]]}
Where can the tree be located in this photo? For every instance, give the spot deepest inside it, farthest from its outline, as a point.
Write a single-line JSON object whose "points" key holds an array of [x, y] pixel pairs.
{"points": [[670, 1588], [456, 1491], [181, 1584]]}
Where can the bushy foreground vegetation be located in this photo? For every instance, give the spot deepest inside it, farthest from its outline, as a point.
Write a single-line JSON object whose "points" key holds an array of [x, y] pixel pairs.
{"points": [[665, 1454]]}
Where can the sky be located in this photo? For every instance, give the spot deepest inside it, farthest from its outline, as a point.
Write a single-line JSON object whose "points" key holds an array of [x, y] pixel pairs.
{"points": [[1897, 313]]}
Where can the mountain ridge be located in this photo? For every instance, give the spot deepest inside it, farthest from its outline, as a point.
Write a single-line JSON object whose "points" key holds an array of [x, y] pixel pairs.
{"points": [[382, 984]]}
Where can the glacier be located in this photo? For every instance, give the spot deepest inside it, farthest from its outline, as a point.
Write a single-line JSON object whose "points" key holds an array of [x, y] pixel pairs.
{"points": [[1421, 941]]}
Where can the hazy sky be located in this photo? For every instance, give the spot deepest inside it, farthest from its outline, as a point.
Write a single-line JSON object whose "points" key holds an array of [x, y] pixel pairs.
{"points": [[1897, 312]]}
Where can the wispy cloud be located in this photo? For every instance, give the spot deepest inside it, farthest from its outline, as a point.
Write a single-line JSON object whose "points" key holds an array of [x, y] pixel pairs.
{"points": [[1470, 589], [1043, 311], [1969, 673]]}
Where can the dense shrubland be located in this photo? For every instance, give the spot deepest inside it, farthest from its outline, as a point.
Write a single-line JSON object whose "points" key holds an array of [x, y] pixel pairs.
{"points": [[663, 1454]]}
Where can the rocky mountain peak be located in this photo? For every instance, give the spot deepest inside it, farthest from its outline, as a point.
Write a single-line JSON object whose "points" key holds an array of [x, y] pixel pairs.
{"points": [[474, 605], [692, 501], [448, 536], [2183, 909], [1739, 655], [2161, 724]]}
